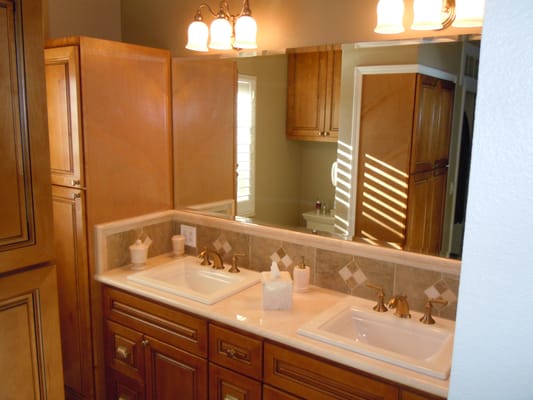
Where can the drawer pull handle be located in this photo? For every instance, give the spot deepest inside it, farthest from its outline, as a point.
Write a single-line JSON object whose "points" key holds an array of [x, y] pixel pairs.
{"points": [[231, 353], [76, 182], [122, 352]]}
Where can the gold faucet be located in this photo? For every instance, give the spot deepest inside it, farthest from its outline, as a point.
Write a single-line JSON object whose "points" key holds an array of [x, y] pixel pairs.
{"points": [[206, 255], [234, 267], [380, 306], [399, 302]]}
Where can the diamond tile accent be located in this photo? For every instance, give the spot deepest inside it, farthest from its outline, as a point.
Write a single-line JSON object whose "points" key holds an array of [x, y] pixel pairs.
{"points": [[441, 289], [222, 245], [282, 258], [352, 275]]}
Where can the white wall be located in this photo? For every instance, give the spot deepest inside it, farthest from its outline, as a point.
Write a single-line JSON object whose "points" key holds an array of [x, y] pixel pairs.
{"points": [[493, 355]]}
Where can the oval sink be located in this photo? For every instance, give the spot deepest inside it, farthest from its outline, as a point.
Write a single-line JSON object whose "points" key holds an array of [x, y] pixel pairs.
{"points": [[353, 325], [187, 278]]}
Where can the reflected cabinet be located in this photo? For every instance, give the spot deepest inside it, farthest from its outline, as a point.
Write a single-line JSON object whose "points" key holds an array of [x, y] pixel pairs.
{"points": [[403, 160], [313, 94]]}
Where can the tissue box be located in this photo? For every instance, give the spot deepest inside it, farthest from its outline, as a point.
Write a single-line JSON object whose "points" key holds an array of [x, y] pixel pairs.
{"points": [[277, 292]]}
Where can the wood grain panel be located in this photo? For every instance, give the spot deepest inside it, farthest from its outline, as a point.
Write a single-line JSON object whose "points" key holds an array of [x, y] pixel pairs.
{"points": [[312, 378], [170, 325], [204, 124], [237, 351]]}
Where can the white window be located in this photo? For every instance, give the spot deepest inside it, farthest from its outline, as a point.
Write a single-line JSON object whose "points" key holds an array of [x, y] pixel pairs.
{"points": [[246, 145]]}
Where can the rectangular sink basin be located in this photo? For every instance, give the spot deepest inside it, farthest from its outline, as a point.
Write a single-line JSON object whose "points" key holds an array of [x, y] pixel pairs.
{"points": [[187, 278], [354, 326]]}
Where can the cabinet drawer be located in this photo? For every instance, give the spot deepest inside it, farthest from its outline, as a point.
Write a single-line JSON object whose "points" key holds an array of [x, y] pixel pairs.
{"points": [[228, 385], [409, 395], [236, 351], [124, 351], [313, 378], [172, 326], [270, 393], [120, 387]]}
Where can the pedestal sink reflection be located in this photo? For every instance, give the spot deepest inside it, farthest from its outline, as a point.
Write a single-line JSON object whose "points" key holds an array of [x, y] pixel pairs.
{"points": [[187, 278], [353, 325]]}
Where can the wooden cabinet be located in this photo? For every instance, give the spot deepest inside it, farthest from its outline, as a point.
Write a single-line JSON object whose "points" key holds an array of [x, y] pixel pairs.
{"points": [[312, 378], [403, 160], [30, 361], [110, 142], [30, 365], [25, 206], [240, 358], [313, 95], [153, 351]]}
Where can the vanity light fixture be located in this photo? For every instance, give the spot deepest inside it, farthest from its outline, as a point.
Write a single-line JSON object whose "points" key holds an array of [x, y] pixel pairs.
{"points": [[226, 32], [429, 15]]}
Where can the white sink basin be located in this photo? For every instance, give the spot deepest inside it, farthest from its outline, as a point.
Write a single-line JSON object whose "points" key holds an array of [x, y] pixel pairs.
{"points": [[187, 278], [353, 325]]}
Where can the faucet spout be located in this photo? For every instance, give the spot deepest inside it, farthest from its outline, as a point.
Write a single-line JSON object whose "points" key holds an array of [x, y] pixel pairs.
{"points": [[208, 255], [399, 302]]}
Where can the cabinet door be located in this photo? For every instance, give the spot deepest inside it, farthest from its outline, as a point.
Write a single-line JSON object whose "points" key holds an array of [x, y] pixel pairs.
{"points": [[64, 125], [432, 127], [173, 373], [333, 98], [121, 387], [227, 385], [270, 393], [73, 288], [426, 211], [30, 361], [25, 205]]}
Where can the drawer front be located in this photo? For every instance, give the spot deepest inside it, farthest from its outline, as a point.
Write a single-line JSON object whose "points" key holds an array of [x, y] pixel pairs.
{"points": [[270, 393], [410, 395], [313, 378], [123, 349], [237, 351], [120, 387], [228, 385], [168, 324]]}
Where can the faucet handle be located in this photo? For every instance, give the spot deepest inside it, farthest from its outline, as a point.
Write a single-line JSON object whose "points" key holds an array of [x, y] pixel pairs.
{"points": [[380, 306], [427, 318], [234, 260], [204, 255]]}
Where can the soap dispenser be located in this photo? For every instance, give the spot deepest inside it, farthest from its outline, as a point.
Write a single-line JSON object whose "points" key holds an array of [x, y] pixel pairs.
{"points": [[139, 253], [301, 275]]}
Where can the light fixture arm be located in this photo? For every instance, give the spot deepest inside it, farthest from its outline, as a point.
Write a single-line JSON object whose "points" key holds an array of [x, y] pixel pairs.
{"points": [[449, 9], [223, 11]]}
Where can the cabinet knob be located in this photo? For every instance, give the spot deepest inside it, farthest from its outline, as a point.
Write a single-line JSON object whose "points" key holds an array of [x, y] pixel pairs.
{"points": [[145, 342], [122, 352], [326, 133], [76, 195], [231, 352], [76, 182]]}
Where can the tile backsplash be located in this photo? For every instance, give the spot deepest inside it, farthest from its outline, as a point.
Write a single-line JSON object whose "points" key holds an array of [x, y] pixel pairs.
{"points": [[334, 264]]}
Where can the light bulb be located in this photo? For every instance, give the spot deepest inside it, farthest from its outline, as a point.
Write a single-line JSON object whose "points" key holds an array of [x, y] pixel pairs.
{"points": [[427, 15], [390, 16], [245, 33], [220, 34], [197, 36], [469, 13]]}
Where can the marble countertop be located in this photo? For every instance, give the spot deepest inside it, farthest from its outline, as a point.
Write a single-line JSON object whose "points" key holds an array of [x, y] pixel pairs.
{"points": [[244, 311]]}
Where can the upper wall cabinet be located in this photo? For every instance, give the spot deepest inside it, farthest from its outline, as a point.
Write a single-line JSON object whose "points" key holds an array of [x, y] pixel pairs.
{"points": [[313, 95], [25, 204]]}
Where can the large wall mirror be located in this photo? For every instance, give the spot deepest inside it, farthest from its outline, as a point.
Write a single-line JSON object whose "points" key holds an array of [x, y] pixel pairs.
{"points": [[289, 178]]}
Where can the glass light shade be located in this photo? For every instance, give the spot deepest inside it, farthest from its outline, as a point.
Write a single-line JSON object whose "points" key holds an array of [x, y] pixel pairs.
{"points": [[427, 15], [220, 34], [469, 13], [245, 33], [197, 33], [390, 16]]}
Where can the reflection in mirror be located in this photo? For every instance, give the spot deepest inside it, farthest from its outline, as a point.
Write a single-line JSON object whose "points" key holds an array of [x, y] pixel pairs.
{"points": [[282, 181]]}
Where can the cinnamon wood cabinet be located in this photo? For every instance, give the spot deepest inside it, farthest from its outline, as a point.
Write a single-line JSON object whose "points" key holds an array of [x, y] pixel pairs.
{"points": [[30, 361], [153, 351], [403, 160], [110, 157], [313, 94], [236, 363]]}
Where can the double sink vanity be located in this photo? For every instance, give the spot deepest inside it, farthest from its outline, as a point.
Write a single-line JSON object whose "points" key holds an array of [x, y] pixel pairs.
{"points": [[181, 327]]}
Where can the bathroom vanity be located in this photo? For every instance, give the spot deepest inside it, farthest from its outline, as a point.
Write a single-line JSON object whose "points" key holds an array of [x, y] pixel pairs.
{"points": [[157, 343]]}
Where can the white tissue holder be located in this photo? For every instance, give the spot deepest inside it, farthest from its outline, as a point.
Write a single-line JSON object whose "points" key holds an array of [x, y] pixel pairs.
{"points": [[277, 292]]}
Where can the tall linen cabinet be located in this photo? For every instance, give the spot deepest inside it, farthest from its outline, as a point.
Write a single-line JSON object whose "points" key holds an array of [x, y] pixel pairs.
{"points": [[109, 121], [30, 356]]}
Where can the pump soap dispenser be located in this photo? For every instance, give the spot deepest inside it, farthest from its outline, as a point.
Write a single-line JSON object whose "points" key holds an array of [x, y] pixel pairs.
{"points": [[301, 274]]}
